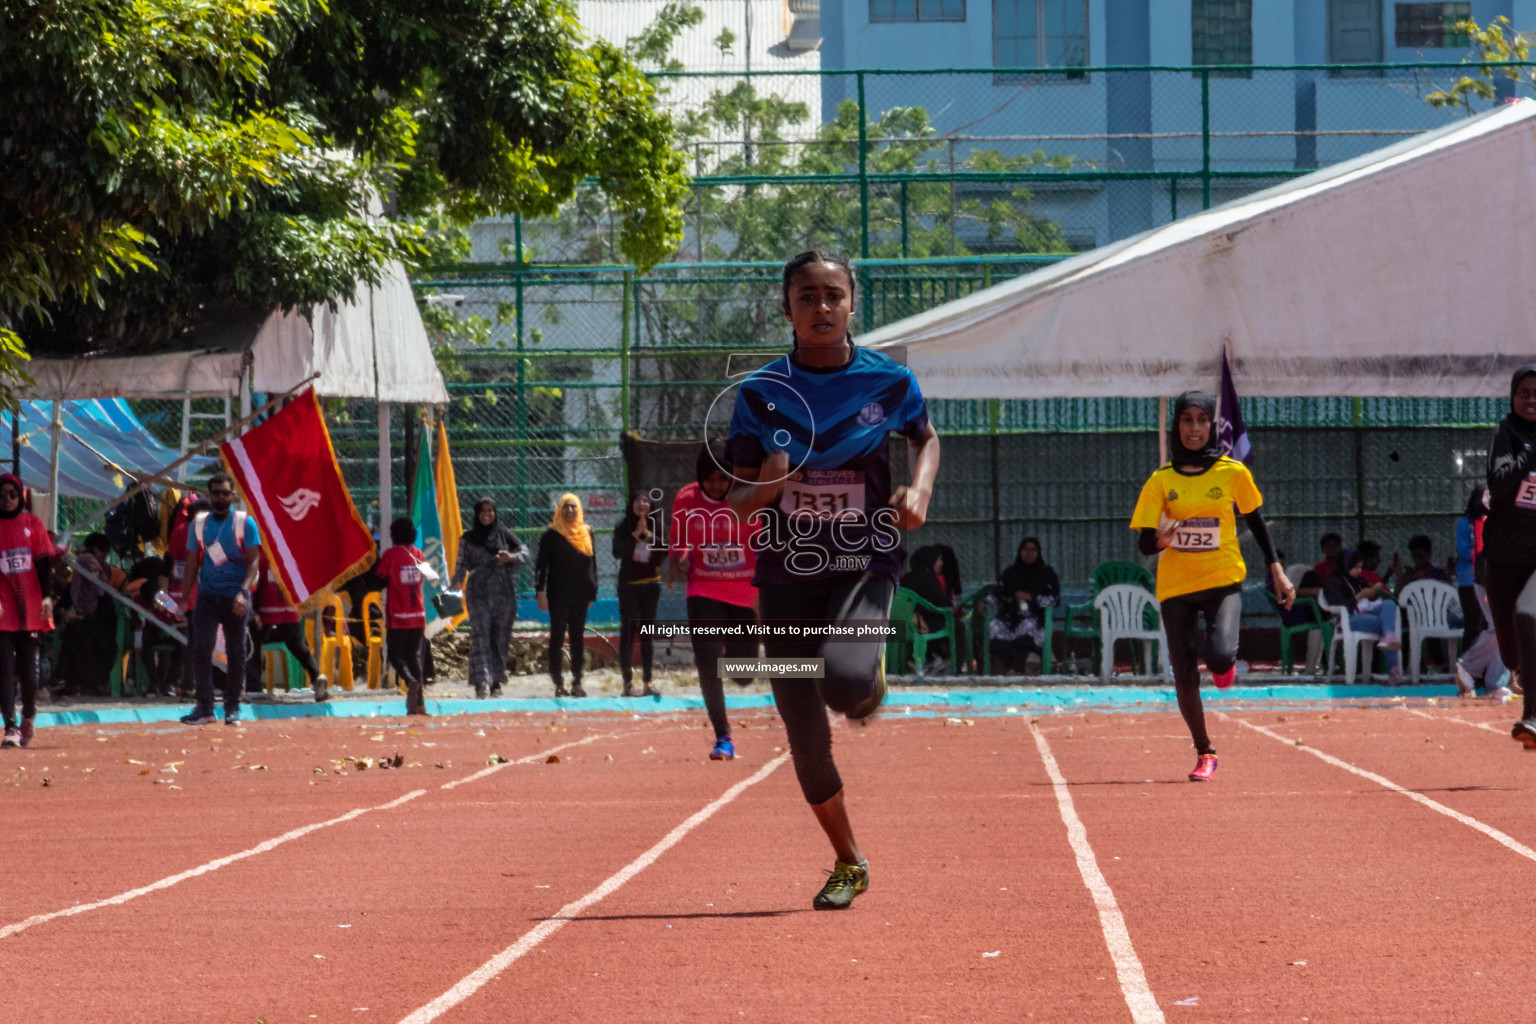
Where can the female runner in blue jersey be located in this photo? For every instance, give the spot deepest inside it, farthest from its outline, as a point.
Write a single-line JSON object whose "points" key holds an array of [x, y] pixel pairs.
{"points": [[812, 463]]}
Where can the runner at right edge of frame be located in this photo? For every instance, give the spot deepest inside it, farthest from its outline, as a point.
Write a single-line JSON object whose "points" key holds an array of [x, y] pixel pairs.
{"points": [[1509, 543], [1187, 512], [809, 440]]}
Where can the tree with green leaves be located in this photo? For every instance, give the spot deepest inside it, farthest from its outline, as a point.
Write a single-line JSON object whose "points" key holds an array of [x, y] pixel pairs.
{"points": [[169, 161], [1497, 43]]}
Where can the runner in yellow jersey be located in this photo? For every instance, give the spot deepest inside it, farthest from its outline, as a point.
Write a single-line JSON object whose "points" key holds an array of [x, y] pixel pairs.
{"points": [[1188, 512]]}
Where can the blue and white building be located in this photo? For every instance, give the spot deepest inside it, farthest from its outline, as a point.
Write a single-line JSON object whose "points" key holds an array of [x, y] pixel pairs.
{"points": [[1276, 121]]}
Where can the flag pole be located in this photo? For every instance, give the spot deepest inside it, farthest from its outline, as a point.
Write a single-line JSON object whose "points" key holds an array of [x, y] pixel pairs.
{"points": [[1162, 429], [191, 453]]}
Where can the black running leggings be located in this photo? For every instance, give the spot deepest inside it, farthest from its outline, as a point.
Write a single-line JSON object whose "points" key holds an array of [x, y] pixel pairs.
{"points": [[18, 663], [1512, 603], [637, 604], [707, 651], [1223, 611], [402, 649], [852, 667], [567, 617]]}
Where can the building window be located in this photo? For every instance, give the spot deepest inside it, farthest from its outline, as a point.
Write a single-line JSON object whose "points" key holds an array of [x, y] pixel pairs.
{"points": [[916, 10], [1432, 26], [1040, 33], [1221, 31]]}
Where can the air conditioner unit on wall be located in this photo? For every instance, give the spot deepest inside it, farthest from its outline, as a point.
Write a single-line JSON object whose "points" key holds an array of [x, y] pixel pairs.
{"points": [[805, 33]]}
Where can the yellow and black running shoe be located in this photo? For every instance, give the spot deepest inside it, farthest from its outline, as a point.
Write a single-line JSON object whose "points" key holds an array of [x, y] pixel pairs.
{"points": [[846, 882], [872, 703]]}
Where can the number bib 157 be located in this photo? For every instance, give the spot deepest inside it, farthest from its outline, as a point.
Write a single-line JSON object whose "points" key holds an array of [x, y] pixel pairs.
{"points": [[14, 561], [1525, 497], [1197, 535], [824, 492]]}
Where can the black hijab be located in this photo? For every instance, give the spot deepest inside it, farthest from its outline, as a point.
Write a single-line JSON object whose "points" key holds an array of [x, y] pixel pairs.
{"points": [[923, 581], [1524, 431], [492, 538], [714, 457], [1182, 457], [1477, 503], [1035, 579]]}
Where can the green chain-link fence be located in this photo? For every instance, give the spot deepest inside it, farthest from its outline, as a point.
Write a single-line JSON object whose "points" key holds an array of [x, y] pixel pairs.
{"points": [[945, 182]]}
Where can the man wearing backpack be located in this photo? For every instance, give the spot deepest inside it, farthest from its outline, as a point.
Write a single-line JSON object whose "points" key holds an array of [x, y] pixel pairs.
{"points": [[224, 557]]}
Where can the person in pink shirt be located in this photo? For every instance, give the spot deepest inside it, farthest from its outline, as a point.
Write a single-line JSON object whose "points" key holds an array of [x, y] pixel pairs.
{"points": [[715, 547]]}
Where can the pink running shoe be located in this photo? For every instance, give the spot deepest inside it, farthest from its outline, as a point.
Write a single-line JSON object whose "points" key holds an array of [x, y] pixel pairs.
{"points": [[26, 732], [1205, 769], [1222, 680]]}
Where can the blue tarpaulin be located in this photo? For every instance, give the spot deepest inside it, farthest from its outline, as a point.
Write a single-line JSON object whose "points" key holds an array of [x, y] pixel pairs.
{"points": [[102, 445]]}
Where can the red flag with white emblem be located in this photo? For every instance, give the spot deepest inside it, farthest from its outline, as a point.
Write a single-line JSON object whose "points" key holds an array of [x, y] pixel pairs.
{"points": [[287, 474]]}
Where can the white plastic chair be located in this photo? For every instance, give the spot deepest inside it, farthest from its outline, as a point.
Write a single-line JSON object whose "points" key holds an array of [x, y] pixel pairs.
{"points": [[1355, 643], [1122, 609], [1428, 605]]}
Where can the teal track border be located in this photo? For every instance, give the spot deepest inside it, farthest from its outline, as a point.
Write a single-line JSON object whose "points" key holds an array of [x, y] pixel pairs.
{"points": [[914, 703]]}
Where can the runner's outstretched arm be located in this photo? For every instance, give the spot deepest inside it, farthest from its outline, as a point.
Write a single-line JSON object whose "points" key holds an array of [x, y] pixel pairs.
{"points": [[911, 500]]}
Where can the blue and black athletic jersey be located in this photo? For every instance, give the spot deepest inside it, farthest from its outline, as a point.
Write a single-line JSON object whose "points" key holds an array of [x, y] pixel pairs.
{"points": [[833, 423]]}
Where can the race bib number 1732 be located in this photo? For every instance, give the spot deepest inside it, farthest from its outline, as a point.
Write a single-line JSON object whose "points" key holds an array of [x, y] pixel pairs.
{"points": [[1196, 535]]}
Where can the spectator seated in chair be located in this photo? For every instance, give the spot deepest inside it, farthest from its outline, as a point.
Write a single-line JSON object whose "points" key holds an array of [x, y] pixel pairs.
{"points": [[1370, 608], [1025, 589], [1309, 586], [1332, 546], [930, 580]]}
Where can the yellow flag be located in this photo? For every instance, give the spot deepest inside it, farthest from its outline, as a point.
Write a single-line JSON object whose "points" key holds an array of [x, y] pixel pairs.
{"points": [[447, 499], [448, 508]]}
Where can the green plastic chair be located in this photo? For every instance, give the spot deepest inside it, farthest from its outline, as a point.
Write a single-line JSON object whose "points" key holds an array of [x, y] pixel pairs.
{"points": [[1316, 621], [1082, 620], [903, 604]]}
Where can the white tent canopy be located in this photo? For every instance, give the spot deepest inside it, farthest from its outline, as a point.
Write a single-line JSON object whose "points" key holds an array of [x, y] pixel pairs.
{"points": [[373, 347], [1405, 272]]}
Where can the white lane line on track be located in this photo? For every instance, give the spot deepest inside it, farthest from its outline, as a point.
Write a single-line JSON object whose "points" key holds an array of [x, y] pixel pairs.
{"points": [[488, 971], [1133, 979], [203, 869], [1503, 839], [1453, 718], [264, 847], [530, 759]]}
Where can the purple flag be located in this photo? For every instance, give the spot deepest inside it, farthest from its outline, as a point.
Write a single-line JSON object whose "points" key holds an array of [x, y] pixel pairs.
{"points": [[1230, 430]]}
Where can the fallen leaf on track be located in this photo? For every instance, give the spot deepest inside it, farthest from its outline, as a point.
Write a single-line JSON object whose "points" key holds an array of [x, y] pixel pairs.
{"points": [[552, 759]]}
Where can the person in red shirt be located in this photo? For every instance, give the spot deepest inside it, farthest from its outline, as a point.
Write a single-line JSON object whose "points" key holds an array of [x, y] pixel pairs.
{"points": [[277, 622], [717, 548], [405, 613], [26, 608]]}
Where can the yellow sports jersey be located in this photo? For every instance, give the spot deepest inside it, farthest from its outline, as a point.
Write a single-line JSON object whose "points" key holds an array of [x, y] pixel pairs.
{"points": [[1203, 552]]}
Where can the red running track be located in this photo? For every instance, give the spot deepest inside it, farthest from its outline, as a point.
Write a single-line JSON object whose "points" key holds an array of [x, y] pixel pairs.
{"points": [[1291, 889]]}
